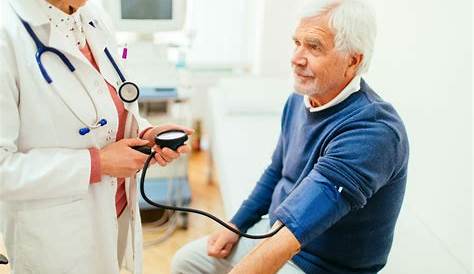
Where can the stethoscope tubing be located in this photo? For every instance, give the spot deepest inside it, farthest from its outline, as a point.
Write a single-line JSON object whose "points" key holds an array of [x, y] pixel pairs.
{"points": [[116, 67], [41, 49]]}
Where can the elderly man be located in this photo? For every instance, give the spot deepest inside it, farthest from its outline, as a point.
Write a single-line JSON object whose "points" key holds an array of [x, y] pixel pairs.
{"points": [[338, 174]]}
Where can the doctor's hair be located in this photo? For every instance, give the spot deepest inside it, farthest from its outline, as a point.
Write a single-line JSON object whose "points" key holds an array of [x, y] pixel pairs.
{"points": [[353, 23]]}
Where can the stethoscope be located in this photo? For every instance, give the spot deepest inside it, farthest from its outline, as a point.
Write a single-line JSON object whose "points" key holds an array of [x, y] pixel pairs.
{"points": [[128, 91]]}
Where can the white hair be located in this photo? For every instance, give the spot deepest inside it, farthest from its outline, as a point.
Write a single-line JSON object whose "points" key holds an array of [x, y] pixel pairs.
{"points": [[353, 24]]}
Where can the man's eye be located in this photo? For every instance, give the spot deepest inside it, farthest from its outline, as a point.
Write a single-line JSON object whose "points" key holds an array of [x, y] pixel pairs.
{"points": [[297, 43], [314, 47]]}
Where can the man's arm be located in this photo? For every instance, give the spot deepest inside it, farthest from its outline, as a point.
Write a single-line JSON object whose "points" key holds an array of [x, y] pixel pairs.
{"points": [[271, 254]]}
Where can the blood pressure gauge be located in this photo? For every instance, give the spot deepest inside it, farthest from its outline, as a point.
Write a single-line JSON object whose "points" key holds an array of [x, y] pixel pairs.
{"points": [[171, 139]]}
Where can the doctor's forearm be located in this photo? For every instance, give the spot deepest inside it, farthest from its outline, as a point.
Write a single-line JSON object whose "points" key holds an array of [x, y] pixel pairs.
{"points": [[270, 255]]}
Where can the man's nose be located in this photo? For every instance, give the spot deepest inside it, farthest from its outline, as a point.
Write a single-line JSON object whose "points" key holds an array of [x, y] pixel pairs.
{"points": [[298, 58]]}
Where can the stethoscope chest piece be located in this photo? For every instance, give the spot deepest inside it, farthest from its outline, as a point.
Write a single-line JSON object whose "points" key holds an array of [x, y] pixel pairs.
{"points": [[129, 92]]}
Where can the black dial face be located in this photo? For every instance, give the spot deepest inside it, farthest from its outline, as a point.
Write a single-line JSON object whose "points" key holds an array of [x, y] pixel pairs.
{"points": [[171, 139]]}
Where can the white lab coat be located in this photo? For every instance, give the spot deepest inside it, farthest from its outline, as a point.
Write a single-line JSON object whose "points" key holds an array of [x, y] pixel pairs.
{"points": [[52, 219]]}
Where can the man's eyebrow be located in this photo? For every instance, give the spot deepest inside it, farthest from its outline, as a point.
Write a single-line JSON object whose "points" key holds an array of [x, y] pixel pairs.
{"points": [[313, 41]]}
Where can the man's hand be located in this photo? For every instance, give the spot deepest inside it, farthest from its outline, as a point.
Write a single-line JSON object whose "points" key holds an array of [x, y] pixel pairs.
{"points": [[120, 160], [270, 254], [165, 156], [221, 242]]}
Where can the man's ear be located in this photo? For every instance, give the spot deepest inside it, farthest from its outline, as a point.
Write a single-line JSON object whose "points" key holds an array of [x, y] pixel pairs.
{"points": [[354, 63]]}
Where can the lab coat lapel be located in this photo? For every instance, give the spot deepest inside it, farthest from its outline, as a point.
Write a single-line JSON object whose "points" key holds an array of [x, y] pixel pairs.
{"points": [[58, 41], [98, 41], [29, 10]]}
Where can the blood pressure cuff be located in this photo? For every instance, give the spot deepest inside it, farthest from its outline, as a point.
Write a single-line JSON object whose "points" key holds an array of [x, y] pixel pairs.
{"points": [[313, 207]]}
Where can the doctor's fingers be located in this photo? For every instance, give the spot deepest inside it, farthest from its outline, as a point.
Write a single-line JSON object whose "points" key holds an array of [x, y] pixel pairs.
{"points": [[134, 142], [138, 160], [167, 127], [160, 160], [169, 154], [184, 149], [166, 153]]}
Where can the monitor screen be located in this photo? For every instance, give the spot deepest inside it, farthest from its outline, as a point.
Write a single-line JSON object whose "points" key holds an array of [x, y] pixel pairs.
{"points": [[147, 9]]}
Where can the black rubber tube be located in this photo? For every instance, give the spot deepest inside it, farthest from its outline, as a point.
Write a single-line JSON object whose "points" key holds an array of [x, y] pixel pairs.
{"points": [[196, 211]]}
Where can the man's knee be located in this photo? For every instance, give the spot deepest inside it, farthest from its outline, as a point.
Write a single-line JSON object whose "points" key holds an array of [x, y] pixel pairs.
{"points": [[190, 258]]}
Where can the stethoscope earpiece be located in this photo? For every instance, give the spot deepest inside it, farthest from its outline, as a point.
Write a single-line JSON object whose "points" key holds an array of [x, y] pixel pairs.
{"points": [[102, 122], [83, 131]]}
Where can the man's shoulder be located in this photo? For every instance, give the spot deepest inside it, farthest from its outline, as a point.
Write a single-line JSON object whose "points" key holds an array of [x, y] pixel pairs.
{"points": [[372, 103], [293, 100], [372, 111]]}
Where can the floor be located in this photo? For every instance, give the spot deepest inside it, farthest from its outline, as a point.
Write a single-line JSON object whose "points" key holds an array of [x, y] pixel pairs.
{"points": [[205, 195]]}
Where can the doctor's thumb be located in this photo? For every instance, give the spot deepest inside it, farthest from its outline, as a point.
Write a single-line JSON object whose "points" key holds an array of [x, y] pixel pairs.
{"points": [[135, 142]]}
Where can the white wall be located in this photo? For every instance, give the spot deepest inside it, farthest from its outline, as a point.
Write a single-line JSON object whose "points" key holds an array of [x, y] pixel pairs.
{"points": [[2, 11], [276, 21], [472, 128], [224, 33], [421, 65]]}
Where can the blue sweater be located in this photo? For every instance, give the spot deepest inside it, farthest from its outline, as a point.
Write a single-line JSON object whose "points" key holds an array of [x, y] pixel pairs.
{"points": [[337, 181]]}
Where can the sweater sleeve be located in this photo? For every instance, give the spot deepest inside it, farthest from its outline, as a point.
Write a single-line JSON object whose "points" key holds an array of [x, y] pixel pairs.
{"points": [[354, 166]]}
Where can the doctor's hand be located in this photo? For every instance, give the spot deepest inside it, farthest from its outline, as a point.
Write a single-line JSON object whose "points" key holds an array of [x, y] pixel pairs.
{"points": [[165, 156], [120, 160], [221, 243]]}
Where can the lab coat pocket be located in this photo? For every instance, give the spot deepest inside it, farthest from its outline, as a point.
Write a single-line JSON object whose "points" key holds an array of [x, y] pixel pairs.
{"points": [[53, 239]]}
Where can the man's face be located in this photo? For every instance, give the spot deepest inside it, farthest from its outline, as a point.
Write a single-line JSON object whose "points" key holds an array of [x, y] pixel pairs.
{"points": [[319, 69]]}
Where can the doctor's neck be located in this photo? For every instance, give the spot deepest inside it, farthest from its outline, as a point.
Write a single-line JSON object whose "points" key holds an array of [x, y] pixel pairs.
{"points": [[67, 6]]}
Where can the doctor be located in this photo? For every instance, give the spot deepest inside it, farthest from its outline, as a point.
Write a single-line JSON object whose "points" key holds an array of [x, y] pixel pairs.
{"points": [[68, 197]]}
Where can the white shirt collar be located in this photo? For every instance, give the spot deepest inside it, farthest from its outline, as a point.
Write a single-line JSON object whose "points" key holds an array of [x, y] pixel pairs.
{"points": [[69, 25], [352, 87]]}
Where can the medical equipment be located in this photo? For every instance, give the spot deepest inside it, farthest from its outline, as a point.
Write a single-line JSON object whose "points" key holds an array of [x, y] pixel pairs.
{"points": [[128, 91], [171, 139], [174, 138], [145, 16]]}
